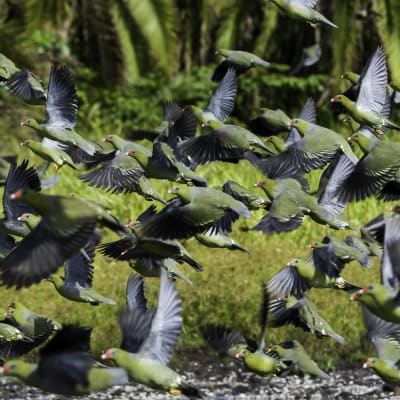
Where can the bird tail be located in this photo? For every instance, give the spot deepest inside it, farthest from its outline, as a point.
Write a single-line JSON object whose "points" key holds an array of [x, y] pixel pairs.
{"points": [[340, 283], [191, 391], [237, 246]]}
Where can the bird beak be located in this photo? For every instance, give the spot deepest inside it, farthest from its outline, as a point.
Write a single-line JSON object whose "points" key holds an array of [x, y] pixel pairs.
{"points": [[354, 297], [16, 195], [24, 123], [367, 364], [312, 245], [105, 139], [4, 369]]}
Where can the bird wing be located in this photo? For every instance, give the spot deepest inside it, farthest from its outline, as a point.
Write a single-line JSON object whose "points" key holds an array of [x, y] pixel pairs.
{"points": [[306, 3], [287, 282], [223, 99], [390, 269], [166, 324], [374, 78], [223, 340], [135, 298], [78, 270], [384, 335], [19, 85], [41, 252], [62, 103], [308, 113], [19, 177], [213, 146], [365, 180]]}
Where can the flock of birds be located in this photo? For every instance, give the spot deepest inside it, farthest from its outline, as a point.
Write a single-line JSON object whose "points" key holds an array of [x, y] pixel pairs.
{"points": [[41, 232]]}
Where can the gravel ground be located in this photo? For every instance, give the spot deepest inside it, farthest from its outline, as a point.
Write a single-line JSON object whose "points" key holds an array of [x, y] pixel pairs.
{"points": [[225, 380]]}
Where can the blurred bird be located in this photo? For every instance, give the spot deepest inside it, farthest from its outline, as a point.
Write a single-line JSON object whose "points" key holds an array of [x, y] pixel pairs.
{"points": [[385, 336], [66, 366], [240, 61], [303, 10], [76, 284], [367, 109], [19, 177], [21, 83], [195, 210], [53, 155], [301, 275], [233, 344], [300, 311], [35, 327], [148, 339], [294, 352], [61, 112], [222, 100], [290, 203], [382, 299], [66, 225]]}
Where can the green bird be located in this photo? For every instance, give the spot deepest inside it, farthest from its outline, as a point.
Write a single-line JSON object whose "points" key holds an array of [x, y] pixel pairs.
{"points": [[273, 122], [374, 170], [18, 177], [224, 143], [162, 164], [61, 112], [294, 352], [301, 275], [240, 61], [35, 327], [195, 210], [290, 203], [372, 96], [301, 312], [382, 299], [253, 201], [22, 83], [149, 339], [222, 101], [385, 337], [66, 367], [147, 250], [67, 224], [337, 253], [218, 240], [233, 344], [76, 284], [53, 155], [303, 10], [28, 87]]}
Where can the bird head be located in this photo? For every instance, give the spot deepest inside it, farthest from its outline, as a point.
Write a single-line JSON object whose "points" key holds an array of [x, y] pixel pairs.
{"points": [[369, 363], [313, 245], [282, 298], [18, 194], [108, 353], [30, 122], [337, 99], [24, 217], [130, 153], [24, 142], [356, 296], [259, 184], [353, 138], [396, 209], [107, 138], [173, 190], [293, 262], [293, 122], [344, 76]]}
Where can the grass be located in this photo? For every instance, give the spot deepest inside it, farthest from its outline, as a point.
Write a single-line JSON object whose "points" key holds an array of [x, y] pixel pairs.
{"points": [[228, 291]]}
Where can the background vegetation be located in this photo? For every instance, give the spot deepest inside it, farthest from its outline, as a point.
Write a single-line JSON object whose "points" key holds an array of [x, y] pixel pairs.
{"points": [[128, 56]]}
